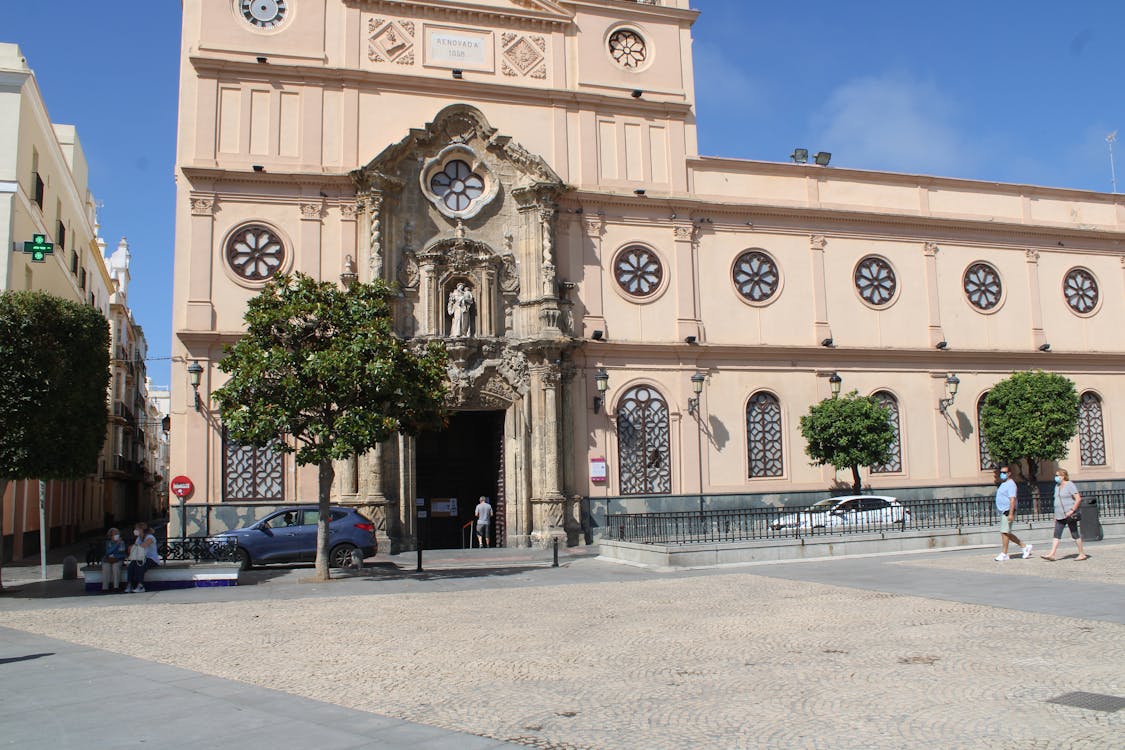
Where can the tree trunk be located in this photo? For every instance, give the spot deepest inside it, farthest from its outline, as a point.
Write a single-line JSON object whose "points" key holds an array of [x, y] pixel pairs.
{"points": [[3, 489], [857, 483], [327, 474], [1033, 480]]}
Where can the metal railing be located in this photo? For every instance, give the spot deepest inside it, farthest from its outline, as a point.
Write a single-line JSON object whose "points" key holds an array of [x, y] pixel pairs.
{"points": [[754, 524], [192, 548]]}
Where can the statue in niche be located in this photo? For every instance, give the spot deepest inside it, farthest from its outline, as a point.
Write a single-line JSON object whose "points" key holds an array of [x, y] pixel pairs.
{"points": [[460, 307]]}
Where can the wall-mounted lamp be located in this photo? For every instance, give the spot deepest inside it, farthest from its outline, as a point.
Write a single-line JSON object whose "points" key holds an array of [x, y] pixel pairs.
{"points": [[1045, 348], [943, 344], [348, 277], [258, 168], [195, 375], [458, 73], [822, 158], [834, 382], [601, 380], [697, 381], [951, 385], [827, 342], [639, 192], [598, 334], [799, 155], [637, 93], [690, 339]]}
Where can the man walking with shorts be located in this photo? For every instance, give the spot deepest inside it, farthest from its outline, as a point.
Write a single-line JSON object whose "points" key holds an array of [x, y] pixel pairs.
{"points": [[1006, 506], [484, 516]]}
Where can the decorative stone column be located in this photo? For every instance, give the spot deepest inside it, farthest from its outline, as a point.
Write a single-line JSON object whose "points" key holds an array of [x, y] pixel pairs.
{"points": [[821, 329], [930, 251], [686, 279], [550, 515], [200, 310], [375, 259], [594, 229], [312, 215], [1038, 335]]}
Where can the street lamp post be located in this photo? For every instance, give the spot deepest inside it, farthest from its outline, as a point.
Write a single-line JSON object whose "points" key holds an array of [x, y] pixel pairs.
{"points": [[697, 381]]}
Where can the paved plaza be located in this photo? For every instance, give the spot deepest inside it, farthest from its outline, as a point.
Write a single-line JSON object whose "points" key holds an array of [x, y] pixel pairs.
{"points": [[935, 650]]}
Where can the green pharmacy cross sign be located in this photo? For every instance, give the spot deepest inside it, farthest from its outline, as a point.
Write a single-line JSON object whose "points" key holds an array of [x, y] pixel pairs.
{"points": [[39, 248]]}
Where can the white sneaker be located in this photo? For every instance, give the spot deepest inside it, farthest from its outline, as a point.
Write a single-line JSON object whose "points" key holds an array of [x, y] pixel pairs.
{"points": [[1001, 557], [140, 589], [128, 589], [1026, 552]]}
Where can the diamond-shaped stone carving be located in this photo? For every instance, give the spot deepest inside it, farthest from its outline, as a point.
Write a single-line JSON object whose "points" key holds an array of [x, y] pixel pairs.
{"points": [[390, 41], [524, 56]]}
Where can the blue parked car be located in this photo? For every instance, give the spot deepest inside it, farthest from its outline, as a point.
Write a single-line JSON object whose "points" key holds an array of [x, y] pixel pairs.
{"points": [[289, 535]]}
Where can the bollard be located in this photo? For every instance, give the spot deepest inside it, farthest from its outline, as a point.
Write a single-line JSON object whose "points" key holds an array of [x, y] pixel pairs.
{"points": [[70, 568], [555, 564], [357, 559]]}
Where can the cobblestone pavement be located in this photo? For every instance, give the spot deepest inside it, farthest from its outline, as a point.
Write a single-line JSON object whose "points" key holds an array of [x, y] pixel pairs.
{"points": [[723, 660]]}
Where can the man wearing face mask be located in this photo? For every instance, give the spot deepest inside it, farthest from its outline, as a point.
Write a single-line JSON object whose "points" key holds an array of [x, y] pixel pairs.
{"points": [[1006, 506]]}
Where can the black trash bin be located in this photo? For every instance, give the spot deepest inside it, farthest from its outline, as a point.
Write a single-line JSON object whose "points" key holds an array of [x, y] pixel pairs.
{"points": [[1089, 525]]}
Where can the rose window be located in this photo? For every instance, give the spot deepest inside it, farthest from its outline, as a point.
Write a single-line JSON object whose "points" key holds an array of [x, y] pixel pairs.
{"points": [[756, 276], [627, 48], [1081, 290], [638, 271], [875, 280], [982, 286], [255, 253], [457, 185]]}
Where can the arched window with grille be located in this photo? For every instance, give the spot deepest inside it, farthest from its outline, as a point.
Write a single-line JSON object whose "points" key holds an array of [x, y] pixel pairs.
{"points": [[893, 464], [1091, 430], [764, 436], [643, 447], [986, 462], [251, 473]]}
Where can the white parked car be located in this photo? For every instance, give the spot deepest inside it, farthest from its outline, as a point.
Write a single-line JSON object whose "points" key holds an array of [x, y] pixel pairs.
{"points": [[849, 511]]}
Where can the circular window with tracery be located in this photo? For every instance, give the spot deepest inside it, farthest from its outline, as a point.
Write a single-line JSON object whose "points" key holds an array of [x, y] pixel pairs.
{"points": [[457, 185], [638, 271], [1081, 290], [875, 281], [255, 253], [756, 276], [628, 48], [982, 286]]}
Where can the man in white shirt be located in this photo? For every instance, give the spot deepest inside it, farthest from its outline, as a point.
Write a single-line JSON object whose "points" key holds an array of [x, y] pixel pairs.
{"points": [[1006, 507], [483, 513]]}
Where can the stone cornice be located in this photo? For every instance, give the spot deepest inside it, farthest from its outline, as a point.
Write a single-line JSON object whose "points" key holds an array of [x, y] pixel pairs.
{"points": [[467, 89], [814, 358], [540, 12]]}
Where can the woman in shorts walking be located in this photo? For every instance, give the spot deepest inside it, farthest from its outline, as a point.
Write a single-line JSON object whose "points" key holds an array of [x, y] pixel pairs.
{"points": [[1067, 502]]}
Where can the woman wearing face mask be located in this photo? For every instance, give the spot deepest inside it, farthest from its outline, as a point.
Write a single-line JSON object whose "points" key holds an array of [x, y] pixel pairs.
{"points": [[140, 561], [111, 560], [1067, 502]]}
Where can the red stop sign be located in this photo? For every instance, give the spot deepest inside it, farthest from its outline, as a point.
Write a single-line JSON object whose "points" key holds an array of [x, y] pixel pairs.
{"points": [[182, 486]]}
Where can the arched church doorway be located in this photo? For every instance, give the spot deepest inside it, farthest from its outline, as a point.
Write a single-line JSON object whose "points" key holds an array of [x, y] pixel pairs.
{"points": [[462, 462]]}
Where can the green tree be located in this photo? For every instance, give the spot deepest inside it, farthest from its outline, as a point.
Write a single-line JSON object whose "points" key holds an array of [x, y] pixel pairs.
{"points": [[321, 374], [54, 371], [1030, 416], [848, 432]]}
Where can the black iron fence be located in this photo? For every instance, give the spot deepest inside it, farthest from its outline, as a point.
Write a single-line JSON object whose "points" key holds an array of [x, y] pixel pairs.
{"points": [[751, 524], [192, 548]]}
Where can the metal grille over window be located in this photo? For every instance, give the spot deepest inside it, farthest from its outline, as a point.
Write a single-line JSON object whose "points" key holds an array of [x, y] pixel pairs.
{"points": [[894, 461], [255, 253], [986, 461], [1091, 430], [763, 435], [875, 280], [638, 271], [643, 443], [982, 286], [251, 473], [1081, 290], [457, 185], [627, 48], [756, 276]]}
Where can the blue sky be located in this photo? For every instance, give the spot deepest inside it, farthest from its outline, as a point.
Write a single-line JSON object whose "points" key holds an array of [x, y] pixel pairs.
{"points": [[998, 90]]}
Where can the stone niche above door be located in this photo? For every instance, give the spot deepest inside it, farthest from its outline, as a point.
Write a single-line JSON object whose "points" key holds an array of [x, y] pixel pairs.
{"points": [[453, 208]]}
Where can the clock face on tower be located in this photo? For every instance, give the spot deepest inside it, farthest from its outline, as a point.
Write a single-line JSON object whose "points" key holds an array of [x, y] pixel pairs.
{"points": [[265, 14]]}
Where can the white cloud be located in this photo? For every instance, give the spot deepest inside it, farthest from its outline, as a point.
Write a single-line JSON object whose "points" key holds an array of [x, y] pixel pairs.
{"points": [[893, 122]]}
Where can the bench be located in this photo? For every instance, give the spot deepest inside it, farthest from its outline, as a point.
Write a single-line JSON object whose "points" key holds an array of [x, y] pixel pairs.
{"points": [[172, 575]]}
